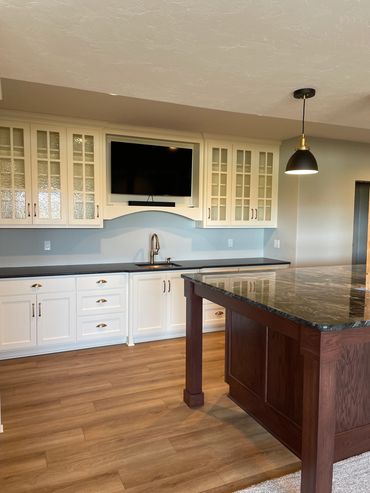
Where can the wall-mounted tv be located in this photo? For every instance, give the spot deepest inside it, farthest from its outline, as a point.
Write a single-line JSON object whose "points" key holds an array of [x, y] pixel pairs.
{"points": [[150, 169]]}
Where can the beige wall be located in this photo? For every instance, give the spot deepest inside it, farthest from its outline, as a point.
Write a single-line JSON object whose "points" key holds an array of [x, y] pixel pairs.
{"points": [[315, 223]]}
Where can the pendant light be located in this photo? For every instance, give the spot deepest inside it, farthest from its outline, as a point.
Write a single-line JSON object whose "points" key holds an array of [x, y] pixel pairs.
{"points": [[302, 162]]}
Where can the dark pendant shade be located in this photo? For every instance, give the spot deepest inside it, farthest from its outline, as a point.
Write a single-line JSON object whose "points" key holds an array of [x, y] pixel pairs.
{"points": [[302, 162]]}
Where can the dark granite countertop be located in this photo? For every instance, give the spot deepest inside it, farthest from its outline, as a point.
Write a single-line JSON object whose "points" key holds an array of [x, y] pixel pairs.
{"points": [[327, 298], [70, 270]]}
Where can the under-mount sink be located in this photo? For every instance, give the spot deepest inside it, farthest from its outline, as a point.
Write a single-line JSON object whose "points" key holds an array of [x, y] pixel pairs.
{"points": [[157, 265]]}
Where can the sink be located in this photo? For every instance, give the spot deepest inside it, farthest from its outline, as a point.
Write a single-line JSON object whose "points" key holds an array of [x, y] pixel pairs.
{"points": [[157, 265]]}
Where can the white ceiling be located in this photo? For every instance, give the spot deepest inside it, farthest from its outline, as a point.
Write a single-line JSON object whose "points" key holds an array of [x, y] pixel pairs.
{"points": [[244, 56]]}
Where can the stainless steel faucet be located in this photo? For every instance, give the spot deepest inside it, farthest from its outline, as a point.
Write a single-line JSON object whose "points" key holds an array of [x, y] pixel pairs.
{"points": [[154, 247]]}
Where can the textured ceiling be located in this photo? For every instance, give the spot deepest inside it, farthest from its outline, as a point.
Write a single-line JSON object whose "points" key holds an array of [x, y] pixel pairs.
{"points": [[239, 56]]}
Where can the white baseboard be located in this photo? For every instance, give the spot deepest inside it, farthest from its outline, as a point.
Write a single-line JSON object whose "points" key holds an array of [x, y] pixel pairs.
{"points": [[39, 350]]}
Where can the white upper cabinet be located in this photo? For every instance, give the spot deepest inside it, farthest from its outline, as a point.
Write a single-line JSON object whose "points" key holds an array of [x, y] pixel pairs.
{"points": [[49, 175], [15, 174], [59, 175], [219, 184], [241, 185], [84, 177]]}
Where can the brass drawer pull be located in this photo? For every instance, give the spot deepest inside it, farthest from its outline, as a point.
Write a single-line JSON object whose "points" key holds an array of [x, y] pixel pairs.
{"points": [[101, 281], [36, 285], [33, 310], [101, 326], [219, 313], [102, 300]]}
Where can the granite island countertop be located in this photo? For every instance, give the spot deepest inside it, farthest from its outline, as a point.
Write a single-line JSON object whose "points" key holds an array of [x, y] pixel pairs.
{"points": [[327, 298], [106, 268]]}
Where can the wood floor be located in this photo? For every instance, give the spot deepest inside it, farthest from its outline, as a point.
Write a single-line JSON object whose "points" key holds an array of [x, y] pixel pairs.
{"points": [[112, 419]]}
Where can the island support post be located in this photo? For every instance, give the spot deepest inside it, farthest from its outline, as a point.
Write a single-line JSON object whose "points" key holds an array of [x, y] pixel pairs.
{"points": [[193, 395]]}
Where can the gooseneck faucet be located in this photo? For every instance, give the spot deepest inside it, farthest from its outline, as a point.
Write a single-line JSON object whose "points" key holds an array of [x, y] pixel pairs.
{"points": [[154, 247]]}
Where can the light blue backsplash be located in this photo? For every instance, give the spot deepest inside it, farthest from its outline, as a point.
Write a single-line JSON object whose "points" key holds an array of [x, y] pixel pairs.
{"points": [[126, 239]]}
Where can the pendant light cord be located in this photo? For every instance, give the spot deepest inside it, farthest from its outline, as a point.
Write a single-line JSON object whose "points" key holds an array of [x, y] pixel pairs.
{"points": [[304, 110]]}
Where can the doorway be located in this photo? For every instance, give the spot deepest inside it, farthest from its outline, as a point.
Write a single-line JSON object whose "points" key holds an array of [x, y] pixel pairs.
{"points": [[360, 222]]}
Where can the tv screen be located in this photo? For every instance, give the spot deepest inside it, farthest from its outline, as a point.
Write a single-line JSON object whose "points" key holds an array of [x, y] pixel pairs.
{"points": [[145, 169]]}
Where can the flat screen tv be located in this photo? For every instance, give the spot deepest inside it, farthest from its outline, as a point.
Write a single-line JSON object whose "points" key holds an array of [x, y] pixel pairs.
{"points": [[146, 169]]}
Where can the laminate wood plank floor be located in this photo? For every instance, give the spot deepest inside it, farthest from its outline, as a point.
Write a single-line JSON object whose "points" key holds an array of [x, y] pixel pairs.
{"points": [[112, 419]]}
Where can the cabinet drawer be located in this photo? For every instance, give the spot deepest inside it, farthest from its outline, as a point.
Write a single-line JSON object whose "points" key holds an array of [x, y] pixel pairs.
{"points": [[36, 285], [213, 315], [102, 327], [93, 302], [101, 282]]}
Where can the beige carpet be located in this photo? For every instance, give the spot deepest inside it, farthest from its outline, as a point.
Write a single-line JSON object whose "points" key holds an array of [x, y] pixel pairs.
{"points": [[350, 476]]}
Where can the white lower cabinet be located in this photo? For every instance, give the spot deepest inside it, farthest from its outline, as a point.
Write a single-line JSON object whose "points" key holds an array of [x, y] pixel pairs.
{"points": [[214, 315], [37, 312], [54, 314], [51, 314], [157, 306], [56, 318], [18, 326], [102, 308]]}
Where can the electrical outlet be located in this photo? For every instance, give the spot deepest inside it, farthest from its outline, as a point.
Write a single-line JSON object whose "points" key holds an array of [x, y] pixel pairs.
{"points": [[47, 245], [276, 243], [230, 242]]}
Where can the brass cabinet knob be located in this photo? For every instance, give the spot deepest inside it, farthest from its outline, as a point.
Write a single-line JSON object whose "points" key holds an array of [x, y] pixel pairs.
{"points": [[102, 300], [219, 313], [101, 281], [101, 326], [36, 285]]}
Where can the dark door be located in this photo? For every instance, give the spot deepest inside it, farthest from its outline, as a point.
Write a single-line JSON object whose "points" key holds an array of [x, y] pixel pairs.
{"points": [[360, 222]]}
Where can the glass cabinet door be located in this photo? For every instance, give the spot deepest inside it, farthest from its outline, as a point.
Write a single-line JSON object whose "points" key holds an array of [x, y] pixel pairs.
{"points": [[242, 173], [15, 206], [84, 177], [49, 172], [265, 186], [218, 205]]}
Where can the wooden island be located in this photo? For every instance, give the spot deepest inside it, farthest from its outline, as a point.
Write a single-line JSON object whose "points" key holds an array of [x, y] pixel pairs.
{"points": [[297, 358]]}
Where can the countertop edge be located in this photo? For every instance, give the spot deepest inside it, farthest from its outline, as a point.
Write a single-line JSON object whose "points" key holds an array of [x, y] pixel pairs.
{"points": [[131, 267]]}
